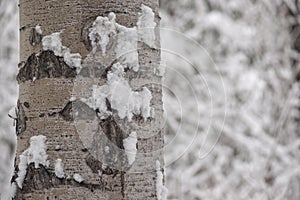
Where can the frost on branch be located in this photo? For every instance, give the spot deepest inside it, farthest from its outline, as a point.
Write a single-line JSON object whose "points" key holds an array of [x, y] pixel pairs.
{"points": [[59, 171], [146, 26], [53, 43], [130, 147], [121, 97], [36, 153], [161, 190]]}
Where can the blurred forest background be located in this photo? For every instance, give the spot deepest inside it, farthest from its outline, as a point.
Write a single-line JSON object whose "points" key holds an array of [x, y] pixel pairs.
{"points": [[231, 96]]}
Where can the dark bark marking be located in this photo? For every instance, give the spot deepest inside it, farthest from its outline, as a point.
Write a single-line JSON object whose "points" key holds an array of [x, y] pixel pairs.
{"points": [[52, 66], [35, 38], [28, 71], [84, 34], [123, 184], [108, 105], [22, 28], [21, 119], [41, 178], [94, 165], [77, 109], [45, 65], [36, 179], [112, 131], [26, 104], [115, 135], [109, 135], [67, 112]]}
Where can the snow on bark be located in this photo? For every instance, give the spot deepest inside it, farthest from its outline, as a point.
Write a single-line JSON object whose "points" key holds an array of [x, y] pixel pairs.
{"points": [[146, 26], [53, 43], [13, 112], [59, 171], [103, 28], [126, 49], [130, 147], [38, 29], [98, 100], [36, 153], [161, 190], [78, 178], [160, 70], [122, 98]]}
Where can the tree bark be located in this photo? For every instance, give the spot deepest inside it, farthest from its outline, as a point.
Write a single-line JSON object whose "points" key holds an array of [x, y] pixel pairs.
{"points": [[47, 85]]}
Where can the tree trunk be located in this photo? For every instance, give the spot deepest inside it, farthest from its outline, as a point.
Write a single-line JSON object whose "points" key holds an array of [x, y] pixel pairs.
{"points": [[89, 121]]}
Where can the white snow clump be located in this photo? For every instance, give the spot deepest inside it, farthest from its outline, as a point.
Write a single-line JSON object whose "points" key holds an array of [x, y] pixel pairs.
{"points": [[53, 43], [78, 178], [161, 190], [122, 98], [146, 26], [59, 171], [36, 153], [130, 147]]}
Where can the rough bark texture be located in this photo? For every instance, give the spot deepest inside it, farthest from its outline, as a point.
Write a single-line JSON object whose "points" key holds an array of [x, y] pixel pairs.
{"points": [[46, 85]]}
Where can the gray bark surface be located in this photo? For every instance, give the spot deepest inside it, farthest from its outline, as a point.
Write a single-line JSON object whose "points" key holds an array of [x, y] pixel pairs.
{"points": [[46, 85]]}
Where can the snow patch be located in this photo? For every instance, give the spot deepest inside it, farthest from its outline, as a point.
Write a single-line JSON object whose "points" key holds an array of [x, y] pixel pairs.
{"points": [[38, 29], [130, 147], [160, 70], [53, 43], [13, 112], [106, 149], [36, 153], [57, 147], [103, 28], [121, 97], [59, 171], [126, 48], [146, 26], [161, 190], [98, 100], [78, 178]]}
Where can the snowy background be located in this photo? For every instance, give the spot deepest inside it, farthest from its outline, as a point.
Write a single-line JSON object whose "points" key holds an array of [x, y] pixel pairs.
{"points": [[230, 91]]}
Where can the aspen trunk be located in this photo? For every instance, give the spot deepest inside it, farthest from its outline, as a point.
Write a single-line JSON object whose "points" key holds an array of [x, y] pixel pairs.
{"points": [[68, 148]]}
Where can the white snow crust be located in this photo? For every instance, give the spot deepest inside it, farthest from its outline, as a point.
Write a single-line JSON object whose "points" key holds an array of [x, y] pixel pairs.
{"points": [[130, 147], [36, 153]]}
